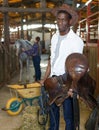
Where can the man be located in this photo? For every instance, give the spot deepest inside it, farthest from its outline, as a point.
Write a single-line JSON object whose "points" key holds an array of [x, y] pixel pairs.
{"points": [[63, 43]]}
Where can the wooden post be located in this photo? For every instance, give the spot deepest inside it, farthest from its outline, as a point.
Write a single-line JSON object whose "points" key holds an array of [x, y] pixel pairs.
{"points": [[27, 32], [18, 33], [43, 5], [97, 92], [88, 24], [22, 31], [6, 25], [6, 42]]}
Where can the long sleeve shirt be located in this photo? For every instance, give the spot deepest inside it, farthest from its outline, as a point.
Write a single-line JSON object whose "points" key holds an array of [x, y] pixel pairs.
{"points": [[61, 48], [34, 51]]}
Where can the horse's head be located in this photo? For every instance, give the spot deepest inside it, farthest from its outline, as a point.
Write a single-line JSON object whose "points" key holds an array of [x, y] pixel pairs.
{"points": [[20, 43]]}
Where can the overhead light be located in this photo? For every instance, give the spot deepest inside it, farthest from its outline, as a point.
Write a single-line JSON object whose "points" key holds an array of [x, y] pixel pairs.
{"points": [[88, 2], [24, 20], [55, 22], [77, 5]]}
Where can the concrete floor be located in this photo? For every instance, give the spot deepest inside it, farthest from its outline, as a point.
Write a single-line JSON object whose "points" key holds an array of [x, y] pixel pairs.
{"points": [[12, 122]]}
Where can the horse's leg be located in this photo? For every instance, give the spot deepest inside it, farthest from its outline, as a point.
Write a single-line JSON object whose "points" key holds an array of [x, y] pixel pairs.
{"points": [[21, 70], [27, 70]]}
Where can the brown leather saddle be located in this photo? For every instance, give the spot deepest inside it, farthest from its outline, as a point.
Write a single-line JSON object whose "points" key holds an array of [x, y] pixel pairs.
{"points": [[76, 77]]}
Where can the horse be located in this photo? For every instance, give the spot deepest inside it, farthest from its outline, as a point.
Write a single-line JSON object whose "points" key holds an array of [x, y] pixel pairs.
{"points": [[22, 56]]}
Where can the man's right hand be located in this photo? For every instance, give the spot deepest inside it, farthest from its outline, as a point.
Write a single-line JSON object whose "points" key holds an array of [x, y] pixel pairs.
{"points": [[41, 82], [23, 49]]}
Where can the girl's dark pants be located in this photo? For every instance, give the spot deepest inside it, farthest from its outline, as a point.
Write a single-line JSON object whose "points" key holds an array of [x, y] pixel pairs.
{"points": [[36, 63]]}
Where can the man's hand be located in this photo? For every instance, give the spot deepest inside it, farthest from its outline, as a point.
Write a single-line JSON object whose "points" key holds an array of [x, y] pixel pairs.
{"points": [[70, 93], [41, 82], [23, 49]]}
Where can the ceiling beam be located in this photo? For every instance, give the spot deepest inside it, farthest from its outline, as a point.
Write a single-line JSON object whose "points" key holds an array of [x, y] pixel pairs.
{"points": [[23, 10]]}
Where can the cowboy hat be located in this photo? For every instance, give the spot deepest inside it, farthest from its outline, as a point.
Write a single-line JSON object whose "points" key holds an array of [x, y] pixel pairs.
{"points": [[69, 10]]}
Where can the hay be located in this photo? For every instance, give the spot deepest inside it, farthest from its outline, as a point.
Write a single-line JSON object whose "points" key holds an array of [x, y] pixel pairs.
{"points": [[30, 119]]}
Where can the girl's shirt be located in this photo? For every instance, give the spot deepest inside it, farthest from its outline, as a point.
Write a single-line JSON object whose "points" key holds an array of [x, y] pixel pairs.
{"points": [[34, 51]]}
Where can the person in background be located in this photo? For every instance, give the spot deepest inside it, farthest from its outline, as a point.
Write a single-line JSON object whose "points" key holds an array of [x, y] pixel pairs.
{"points": [[40, 47], [63, 43], [35, 52]]}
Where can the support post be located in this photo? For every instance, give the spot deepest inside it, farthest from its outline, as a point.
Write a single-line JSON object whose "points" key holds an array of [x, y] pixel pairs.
{"points": [[6, 42]]}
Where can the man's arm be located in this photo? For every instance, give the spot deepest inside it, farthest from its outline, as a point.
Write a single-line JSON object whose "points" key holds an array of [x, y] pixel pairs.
{"points": [[47, 73]]}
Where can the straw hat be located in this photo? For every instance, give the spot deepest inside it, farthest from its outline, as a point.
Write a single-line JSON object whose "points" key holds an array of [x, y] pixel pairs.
{"points": [[68, 9]]}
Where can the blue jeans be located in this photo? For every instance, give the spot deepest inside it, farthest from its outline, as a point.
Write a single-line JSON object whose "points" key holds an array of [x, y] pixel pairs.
{"points": [[36, 63], [68, 115]]}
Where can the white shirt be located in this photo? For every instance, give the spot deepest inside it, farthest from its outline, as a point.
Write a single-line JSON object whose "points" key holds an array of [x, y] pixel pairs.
{"points": [[70, 43]]}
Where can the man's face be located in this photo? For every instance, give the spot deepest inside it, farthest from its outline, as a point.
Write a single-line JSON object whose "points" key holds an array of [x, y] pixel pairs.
{"points": [[63, 22]]}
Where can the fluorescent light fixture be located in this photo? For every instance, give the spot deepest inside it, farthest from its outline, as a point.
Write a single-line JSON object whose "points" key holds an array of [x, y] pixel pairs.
{"points": [[34, 26], [51, 26], [88, 2], [13, 29]]}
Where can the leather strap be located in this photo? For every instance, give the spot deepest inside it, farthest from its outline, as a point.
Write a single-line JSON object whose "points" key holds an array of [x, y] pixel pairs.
{"points": [[76, 111]]}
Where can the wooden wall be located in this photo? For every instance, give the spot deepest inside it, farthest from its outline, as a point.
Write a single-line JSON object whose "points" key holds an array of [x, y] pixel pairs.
{"points": [[12, 63], [92, 52]]}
